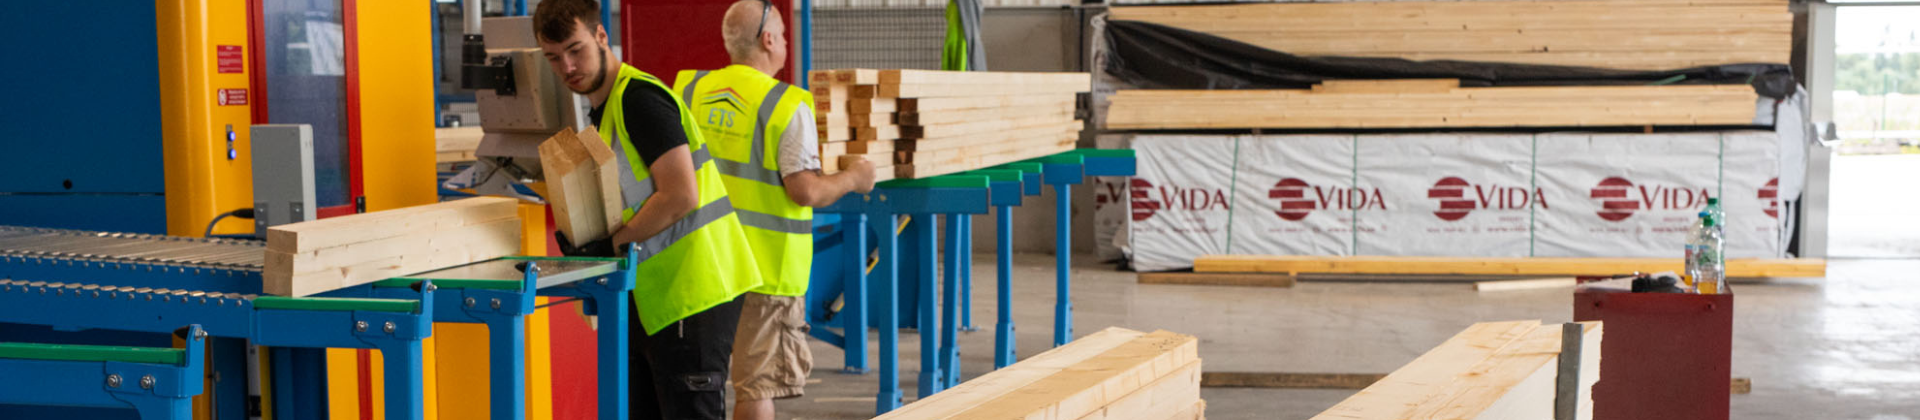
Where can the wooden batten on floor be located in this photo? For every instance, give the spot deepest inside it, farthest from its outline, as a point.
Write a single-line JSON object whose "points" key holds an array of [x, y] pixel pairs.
{"points": [[1218, 279], [1513, 266], [1492, 370]]}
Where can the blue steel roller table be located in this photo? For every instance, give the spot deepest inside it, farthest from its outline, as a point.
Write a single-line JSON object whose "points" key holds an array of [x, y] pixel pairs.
{"points": [[149, 284], [957, 197]]}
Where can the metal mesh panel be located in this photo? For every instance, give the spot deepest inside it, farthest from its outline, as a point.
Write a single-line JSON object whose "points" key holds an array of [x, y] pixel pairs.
{"points": [[883, 38]]}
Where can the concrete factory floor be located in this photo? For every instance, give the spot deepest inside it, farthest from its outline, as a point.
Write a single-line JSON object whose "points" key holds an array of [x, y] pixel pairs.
{"points": [[1845, 347]]}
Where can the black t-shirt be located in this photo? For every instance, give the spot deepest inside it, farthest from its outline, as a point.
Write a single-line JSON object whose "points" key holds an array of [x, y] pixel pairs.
{"points": [[652, 121]]}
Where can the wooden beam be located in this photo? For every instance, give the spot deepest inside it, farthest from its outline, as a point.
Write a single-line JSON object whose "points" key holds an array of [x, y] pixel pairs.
{"points": [[980, 102], [1387, 86], [941, 77], [1218, 279], [314, 257], [1492, 370], [582, 184], [352, 229], [1077, 380], [1532, 284], [1518, 266], [1547, 106], [1289, 380], [1629, 34]]}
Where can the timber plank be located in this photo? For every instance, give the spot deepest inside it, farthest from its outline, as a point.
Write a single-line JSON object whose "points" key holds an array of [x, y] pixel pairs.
{"points": [[1492, 370], [1516, 266], [1084, 387], [999, 383], [1218, 279], [1467, 107], [339, 231], [311, 272], [1063, 106], [984, 126], [1629, 34], [941, 77], [980, 102]]}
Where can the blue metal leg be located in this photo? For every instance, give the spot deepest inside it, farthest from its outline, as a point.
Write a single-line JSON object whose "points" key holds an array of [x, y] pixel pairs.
{"points": [[299, 387], [507, 366], [853, 318], [924, 277], [966, 273], [949, 353], [405, 399], [613, 355], [230, 376], [887, 278], [1003, 354], [1063, 249]]}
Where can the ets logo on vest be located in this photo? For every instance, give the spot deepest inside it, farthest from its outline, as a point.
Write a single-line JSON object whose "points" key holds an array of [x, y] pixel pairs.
{"points": [[720, 115]]}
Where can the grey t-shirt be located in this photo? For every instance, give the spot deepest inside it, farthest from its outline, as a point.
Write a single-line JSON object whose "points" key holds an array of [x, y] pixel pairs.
{"points": [[800, 145]]}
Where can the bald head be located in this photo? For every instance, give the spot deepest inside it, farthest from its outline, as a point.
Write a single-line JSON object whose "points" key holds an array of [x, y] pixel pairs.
{"points": [[751, 42]]}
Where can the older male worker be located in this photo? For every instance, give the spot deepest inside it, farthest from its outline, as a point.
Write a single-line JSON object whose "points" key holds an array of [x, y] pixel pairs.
{"points": [[764, 142]]}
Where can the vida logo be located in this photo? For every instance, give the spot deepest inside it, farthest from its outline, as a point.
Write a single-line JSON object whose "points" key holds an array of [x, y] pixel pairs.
{"points": [[1299, 199], [1459, 197], [1149, 200], [1620, 198]]}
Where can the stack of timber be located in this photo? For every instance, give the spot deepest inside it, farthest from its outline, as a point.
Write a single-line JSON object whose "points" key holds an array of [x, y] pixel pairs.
{"points": [[1492, 370], [1618, 34], [327, 254], [1113, 374], [1432, 103], [923, 123]]}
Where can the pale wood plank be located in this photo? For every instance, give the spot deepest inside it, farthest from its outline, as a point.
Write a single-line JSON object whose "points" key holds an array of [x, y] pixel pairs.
{"points": [[1516, 266], [317, 271], [338, 231]]}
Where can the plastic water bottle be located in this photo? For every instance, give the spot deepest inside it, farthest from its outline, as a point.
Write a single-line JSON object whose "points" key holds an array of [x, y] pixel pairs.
{"points": [[1719, 216], [1706, 270]]}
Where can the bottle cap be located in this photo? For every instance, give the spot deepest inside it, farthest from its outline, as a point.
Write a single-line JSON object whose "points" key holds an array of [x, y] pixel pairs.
{"points": [[1713, 200], [1706, 220]]}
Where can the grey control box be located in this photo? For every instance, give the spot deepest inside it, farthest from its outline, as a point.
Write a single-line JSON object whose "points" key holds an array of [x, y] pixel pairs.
{"points": [[282, 175]]}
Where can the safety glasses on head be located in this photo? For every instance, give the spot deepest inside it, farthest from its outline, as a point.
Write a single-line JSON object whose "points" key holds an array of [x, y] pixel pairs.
{"points": [[765, 9]]}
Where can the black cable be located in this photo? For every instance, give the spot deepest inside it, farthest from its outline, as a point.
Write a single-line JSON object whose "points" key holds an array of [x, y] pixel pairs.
{"points": [[246, 213]]}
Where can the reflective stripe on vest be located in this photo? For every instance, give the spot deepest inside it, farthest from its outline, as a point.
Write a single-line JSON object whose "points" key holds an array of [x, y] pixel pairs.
{"points": [[633, 193], [699, 218], [775, 223]]}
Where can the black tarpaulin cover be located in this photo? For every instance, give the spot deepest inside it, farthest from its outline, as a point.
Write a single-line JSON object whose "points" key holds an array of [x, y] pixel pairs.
{"points": [[1151, 56]]}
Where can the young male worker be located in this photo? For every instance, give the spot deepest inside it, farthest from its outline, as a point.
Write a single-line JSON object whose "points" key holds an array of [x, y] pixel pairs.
{"points": [[764, 142], [694, 257]]}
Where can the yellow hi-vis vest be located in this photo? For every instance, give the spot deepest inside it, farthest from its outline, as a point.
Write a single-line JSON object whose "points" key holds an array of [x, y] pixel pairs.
{"points": [[701, 260], [743, 113]]}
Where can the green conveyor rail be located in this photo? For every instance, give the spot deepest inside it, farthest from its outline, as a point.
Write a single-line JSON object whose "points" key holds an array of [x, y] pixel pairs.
{"points": [[336, 304], [83, 353], [942, 181]]}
